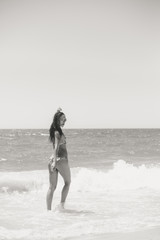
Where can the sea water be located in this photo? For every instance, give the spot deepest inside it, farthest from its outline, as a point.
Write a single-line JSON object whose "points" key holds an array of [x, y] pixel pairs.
{"points": [[115, 183]]}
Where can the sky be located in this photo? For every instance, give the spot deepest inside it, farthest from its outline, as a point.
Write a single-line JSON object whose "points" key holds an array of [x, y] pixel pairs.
{"points": [[96, 59]]}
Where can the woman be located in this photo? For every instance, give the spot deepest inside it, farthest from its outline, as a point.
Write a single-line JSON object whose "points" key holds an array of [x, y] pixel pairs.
{"points": [[59, 160]]}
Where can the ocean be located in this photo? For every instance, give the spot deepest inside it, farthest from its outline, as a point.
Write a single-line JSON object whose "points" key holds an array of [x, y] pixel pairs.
{"points": [[115, 184]]}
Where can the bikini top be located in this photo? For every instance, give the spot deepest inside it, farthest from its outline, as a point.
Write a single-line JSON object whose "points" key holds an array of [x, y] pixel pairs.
{"points": [[62, 140]]}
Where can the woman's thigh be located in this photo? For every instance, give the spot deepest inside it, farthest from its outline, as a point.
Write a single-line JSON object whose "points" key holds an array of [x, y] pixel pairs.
{"points": [[53, 176], [64, 169]]}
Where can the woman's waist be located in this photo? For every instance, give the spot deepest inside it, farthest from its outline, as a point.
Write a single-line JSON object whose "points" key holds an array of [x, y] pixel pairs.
{"points": [[62, 156], [58, 158], [62, 152]]}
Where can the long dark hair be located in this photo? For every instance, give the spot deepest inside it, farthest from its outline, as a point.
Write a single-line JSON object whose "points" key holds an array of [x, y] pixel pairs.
{"points": [[55, 126]]}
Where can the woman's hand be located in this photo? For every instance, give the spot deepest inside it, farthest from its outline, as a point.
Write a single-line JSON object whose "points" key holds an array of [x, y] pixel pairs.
{"points": [[53, 165], [52, 162]]}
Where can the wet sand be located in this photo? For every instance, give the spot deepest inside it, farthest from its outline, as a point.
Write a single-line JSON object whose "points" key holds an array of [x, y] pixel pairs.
{"points": [[151, 234]]}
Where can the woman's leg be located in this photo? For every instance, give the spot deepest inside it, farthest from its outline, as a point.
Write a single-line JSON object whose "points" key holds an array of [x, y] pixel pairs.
{"points": [[53, 177], [64, 170]]}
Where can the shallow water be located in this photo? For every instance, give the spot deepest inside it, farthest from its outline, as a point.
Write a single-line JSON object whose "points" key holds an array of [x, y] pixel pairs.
{"points": [[107, 194]]}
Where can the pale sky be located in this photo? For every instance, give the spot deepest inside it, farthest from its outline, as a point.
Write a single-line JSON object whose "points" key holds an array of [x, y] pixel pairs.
{"points": [[99, 60]]}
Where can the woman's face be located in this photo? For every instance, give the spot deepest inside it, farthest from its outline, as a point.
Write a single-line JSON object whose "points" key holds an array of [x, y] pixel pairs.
{"points": [[62, 120]]}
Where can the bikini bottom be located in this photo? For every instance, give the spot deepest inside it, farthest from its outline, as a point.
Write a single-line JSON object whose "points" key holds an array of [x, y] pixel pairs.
{"points": [[51, 163]]}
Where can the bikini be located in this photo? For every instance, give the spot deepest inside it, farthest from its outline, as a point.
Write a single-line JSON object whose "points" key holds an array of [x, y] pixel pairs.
{"points": [[51, 159]]}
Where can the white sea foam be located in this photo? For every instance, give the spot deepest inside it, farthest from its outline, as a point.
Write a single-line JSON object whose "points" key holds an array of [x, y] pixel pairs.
{"points": [[125, 198], [22, 181], [123, 176], [13, 234], [44, 134], [3, 159]]}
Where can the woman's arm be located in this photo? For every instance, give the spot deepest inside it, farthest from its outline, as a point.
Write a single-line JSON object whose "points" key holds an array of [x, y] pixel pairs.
{"points": [[55, 150], [56, 145]]}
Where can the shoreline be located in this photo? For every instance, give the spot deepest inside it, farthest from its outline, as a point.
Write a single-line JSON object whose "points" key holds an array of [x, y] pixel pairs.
{"points": [[146, 234]]}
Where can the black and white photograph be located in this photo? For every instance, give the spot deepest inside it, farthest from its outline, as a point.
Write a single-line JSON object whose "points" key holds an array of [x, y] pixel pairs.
{"points": [[79, 120]]}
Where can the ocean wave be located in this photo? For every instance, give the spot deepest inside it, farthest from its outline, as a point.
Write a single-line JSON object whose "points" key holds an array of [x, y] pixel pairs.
{"points": [[36, 134], [123, 176], [3, 159], [22, 181], [44, 134]]}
